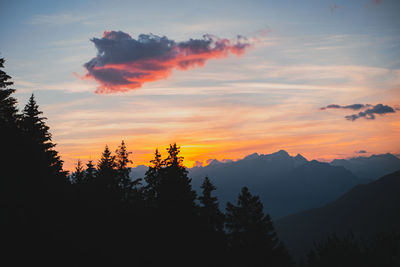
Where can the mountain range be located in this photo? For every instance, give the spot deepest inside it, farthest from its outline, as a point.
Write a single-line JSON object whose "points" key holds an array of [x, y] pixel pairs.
{"points": [[287, 184], [370, 168]]}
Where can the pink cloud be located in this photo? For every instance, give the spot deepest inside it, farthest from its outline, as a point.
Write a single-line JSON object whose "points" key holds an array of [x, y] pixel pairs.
{"points": [[124, 63]]}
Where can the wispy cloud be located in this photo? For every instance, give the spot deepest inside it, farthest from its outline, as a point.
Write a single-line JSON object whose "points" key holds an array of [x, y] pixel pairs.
{"points": [[60, 18], [369, 110], [370, 113], [353, 106]]}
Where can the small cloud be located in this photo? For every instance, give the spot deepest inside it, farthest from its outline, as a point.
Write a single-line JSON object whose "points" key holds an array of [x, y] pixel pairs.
{"points": [[59, 19], [369, 110], [361, 152], [370, 113], [353, 106]]}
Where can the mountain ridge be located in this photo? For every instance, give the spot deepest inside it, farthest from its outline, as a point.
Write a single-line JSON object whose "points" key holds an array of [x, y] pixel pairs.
{"points": [[363, 211]]}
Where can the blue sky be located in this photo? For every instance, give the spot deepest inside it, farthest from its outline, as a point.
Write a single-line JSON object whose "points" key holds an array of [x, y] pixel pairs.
{"points": [[265, 100]]}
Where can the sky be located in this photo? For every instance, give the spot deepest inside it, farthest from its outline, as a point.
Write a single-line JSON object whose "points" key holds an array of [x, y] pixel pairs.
{"points": [[222, 79]]}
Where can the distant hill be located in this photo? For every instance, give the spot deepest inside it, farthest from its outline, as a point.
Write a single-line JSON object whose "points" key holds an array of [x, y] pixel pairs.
{"points": [[364, 211], [138, 172], [370, 168], [285, 184]]}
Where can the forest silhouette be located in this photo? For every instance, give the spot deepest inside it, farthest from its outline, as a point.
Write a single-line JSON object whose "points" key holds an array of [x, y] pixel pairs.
{"points": [[99, 216]]}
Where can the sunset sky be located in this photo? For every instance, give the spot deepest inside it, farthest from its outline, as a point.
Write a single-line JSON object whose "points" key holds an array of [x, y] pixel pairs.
{"points": [[221, 96]]}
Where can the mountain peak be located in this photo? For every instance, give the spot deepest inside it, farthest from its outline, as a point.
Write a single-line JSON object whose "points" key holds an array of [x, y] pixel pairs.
{"points": [[281, 153], [300, 157], [214, 162], [252, 156]]}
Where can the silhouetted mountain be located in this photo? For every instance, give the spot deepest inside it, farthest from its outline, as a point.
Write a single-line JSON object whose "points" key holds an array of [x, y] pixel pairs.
{"points": [[138, 171], [284, 183], [370, 168], [287, 184], [363, 211]]}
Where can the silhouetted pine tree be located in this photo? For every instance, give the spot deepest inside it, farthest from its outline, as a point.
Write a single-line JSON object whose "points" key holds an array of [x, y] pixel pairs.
{"points": [[78, 176], [251, 235], [209, 209], [90, 172], [8, 104], [39, 141], [11, 144], [129, 188], [152, 179], [175, 189], [212, 238], [106, 165], [106, 170], [13, 191], [10, 132]]}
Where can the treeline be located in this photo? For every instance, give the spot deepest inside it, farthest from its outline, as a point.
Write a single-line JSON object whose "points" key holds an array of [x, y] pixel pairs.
{"points": [[167, 218], [99, 216]]}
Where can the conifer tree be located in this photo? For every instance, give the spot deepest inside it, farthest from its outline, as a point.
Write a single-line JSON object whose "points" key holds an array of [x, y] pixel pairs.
{"points": [[209, 210], [8, 104], [9, 119], [121, 162], [126, 185], [106, 170], [40, 143], [90, 172], [152, 179], [175, 191], [252, 239], [13, 176], [77, 176]]}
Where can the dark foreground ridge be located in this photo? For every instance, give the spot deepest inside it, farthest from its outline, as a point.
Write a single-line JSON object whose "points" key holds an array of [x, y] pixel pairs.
{"points": [[363, 212]]}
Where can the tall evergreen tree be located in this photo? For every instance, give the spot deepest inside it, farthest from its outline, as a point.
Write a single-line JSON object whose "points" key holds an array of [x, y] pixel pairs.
{"points": [[106, 164], [8, 104], [39, 140], [121, 162], [126, 185], [153, 178], [11, 135], [252, 239], [175, 191], [106, 170], [9, 118], [209, 209]]}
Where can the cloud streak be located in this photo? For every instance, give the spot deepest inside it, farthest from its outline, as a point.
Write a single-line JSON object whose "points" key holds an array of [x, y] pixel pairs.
{"points": [[370, 113], [369, 110], [124, 63], [353, 106]]}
